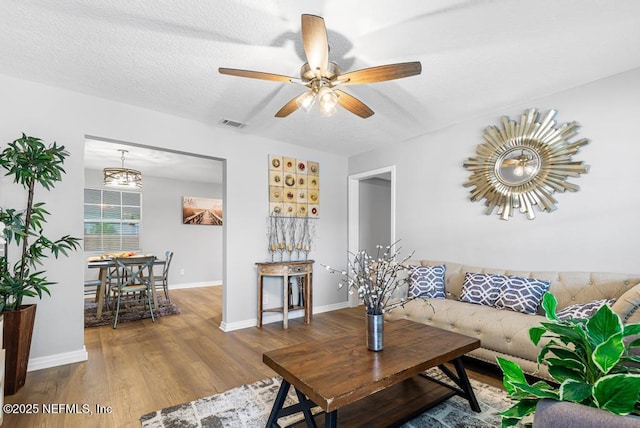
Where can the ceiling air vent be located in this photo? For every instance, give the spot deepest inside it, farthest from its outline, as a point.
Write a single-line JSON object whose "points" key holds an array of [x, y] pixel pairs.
{"points": [[232, 123]]}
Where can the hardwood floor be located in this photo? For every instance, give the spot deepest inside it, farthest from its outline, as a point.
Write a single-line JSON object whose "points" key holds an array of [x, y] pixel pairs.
{"points": [[141, 367]]}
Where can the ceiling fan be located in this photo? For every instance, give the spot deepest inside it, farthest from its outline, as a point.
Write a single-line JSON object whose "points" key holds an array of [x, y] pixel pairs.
{"points": [[321, 76]]}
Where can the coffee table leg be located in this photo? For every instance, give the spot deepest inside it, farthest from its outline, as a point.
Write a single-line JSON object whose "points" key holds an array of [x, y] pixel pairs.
{"points": [[466, 385], [306, 409], [331, 419], [277, 405], [463, 382]]}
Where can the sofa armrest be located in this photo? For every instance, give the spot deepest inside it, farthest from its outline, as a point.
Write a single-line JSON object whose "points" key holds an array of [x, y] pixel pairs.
{"points": [[627, 305]]}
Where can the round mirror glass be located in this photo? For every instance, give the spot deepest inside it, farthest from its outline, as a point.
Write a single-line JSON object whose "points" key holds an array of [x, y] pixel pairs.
{"points": [[517, 165]]}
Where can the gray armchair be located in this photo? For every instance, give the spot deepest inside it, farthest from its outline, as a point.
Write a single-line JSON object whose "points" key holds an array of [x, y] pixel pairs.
{"points": [[564, 414]]}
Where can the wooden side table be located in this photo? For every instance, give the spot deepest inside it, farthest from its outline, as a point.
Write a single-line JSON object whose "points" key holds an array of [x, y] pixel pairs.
{"points": [[286, 270]]}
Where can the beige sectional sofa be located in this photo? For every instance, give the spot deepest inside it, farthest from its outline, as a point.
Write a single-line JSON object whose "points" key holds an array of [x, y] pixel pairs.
{"points": [[505, 333]]}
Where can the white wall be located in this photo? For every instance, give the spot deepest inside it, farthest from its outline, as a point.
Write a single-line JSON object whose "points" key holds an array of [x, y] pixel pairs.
{"points": [[595, 229], [66, 117], [375, 214], [197, 249]]}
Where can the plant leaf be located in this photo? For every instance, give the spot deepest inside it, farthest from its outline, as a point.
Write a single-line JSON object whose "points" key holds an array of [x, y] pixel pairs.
{"points": [[536, 333], [569, 363], [631, 329], [534, 391], [519, 410], [549, 304], [554, 348], [569, 354], [575, 391], [561, 374], [511, 370], [607, 354], [602, 325], [572, 332], [617, 393], [631, 358], [509, 422]]}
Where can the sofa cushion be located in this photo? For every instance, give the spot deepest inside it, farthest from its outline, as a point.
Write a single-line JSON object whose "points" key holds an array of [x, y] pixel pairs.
{"points": [[482, 288], [426, 281], [522, 294], [502, 331], [583, 310]]}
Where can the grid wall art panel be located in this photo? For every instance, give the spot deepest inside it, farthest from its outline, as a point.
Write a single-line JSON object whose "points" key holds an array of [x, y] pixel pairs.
{"points": [[294, 187]]}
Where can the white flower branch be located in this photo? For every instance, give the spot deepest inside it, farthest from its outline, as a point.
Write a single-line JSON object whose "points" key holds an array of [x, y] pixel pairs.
{"points": [[375, 279]]}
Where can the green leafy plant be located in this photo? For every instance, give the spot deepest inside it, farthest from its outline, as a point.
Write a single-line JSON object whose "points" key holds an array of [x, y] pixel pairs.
{"points": [[30, 162], [588, 358]]}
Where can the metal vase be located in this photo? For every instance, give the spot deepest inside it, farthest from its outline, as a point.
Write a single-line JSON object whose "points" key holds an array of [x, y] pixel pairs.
{"points": [[375, 332]]}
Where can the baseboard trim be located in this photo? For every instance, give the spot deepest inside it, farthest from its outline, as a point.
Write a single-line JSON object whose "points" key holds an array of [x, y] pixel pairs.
{"points": [[58, 359], [195, 285], [270, 317]]}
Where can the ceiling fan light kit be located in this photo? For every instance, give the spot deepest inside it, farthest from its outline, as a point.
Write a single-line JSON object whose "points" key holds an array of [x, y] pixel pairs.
{"points": [[321, 76], [327, 100], [307, 100]]}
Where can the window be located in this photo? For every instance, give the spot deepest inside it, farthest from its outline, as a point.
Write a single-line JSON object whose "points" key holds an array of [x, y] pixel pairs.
{"points": [[111, 220]]}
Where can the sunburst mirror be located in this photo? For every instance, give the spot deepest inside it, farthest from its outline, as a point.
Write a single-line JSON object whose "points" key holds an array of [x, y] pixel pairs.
{"points": [[522, 164]]}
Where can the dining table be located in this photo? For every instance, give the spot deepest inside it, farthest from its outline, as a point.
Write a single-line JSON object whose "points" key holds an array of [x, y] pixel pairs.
{"points": [[107, 263]]}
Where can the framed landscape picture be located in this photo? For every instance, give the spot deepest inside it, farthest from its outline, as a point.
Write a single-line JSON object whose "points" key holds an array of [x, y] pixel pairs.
{"points": [[205, 211]]}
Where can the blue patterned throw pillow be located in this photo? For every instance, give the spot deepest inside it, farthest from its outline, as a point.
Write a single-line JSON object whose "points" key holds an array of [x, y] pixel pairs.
{"points": [[583, 310], [482, 288], [426, 281], [522, 294]]}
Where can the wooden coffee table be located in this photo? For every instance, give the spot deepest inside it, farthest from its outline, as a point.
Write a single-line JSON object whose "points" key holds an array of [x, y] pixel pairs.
{"points": [[371, 388]]}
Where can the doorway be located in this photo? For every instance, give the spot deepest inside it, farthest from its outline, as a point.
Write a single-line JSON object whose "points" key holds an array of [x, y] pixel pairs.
{"points": [[372, 216], [169, 178]]}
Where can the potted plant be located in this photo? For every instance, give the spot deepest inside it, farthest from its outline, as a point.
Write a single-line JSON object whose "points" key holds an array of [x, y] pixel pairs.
{"points": [[30, 163], [590, 359], [376, 279]]}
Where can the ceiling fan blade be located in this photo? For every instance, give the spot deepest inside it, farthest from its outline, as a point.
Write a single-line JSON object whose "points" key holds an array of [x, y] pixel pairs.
{"points": [[381, 73], [289, 107], [353, 104], [257, 75], [316, 44]]}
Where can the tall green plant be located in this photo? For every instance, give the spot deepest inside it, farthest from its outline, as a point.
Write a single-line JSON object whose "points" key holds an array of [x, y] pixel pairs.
{"points": [[589, 359], [30, 162]]}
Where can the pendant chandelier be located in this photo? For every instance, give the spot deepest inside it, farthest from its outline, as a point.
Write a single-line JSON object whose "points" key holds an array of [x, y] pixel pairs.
{"points": [[122, 177]]}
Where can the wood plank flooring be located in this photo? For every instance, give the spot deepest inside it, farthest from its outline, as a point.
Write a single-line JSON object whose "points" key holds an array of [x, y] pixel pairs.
{"points": [[141, 367]]}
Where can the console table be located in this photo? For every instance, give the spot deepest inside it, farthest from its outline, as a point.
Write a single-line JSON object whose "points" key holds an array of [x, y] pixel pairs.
{"points": [[286, 270]]}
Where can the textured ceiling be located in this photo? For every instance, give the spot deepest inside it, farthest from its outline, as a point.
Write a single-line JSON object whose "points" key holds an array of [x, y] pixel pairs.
{"points": [[477, 56], [99, 154]]}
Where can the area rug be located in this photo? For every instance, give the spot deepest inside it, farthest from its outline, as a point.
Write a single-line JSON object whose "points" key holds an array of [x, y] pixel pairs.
{"points": [[248, 406], [133, 312]]}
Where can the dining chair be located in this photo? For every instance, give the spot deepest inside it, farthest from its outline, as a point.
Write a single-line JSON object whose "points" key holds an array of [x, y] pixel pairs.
{"points": [[162, 281], [114, 274], [90, 286], [134, 276]]}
